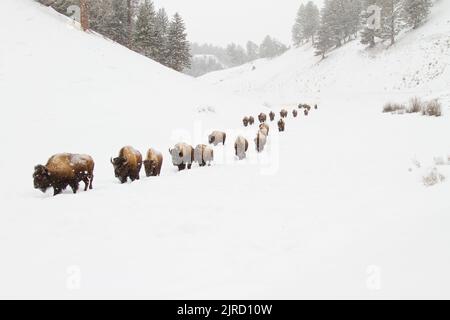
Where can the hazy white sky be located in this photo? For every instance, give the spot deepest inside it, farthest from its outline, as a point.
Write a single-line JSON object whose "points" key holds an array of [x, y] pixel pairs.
{"points": [[223, 21]]}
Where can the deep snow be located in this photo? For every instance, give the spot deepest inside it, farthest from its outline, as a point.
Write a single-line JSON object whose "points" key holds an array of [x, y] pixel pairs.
{"points": [[334, 203]]}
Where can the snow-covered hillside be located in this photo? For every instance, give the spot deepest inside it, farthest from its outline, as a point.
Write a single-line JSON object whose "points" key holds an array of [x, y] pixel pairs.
{"points": [[334, 208], [417, 64]]}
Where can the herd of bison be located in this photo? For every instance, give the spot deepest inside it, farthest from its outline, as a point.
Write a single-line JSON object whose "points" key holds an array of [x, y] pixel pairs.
{"points": [[63, 170]]}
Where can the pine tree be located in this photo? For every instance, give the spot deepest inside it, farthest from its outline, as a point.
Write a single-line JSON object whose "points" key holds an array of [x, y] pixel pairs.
{"points": [[368, 20], [311, 22], [297, 30], [161, 34], [179, 57], [390, 19], [326, 34], [415, 12], [252, 51], [117, 22], [144, 35]]}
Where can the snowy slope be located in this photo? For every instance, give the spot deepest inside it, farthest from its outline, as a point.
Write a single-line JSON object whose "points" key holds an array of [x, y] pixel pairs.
{"points": [[417, 64], [332, 204]]}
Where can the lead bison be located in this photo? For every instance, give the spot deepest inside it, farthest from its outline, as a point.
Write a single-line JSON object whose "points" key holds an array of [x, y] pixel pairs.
{"points": [[127, 165], [217, 137], [203, 155], [182, 156], [241, 147], [153, 163], [64, 170]]}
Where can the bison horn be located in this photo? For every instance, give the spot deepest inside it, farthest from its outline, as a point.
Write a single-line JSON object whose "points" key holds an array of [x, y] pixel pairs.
{"points": [[112, 161]]}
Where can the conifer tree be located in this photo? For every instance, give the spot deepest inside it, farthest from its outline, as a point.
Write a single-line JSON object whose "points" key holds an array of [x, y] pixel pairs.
{"points": [[144, 34], [415, 12], [179, 56]]}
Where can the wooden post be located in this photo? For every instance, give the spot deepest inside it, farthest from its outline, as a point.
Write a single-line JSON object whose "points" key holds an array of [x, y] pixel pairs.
{"points": [[84, 15]]}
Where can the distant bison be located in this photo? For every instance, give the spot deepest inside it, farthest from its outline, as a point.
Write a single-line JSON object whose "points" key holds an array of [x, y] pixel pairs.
{"points": [[281, 125], [294, 113], [271, 116], [127, 165], [241, 147], [260, 141], [203, 155], [153, 163], [64, 170], [182, 156], [217, 137], [283, 113], [315, 106], [306, 112], [251, 120], [262, 117], [264, 127], [245, 121]]}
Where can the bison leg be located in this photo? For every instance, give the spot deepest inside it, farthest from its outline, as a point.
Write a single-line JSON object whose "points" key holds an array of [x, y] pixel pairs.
{"points": [[56, 191], [181, 167], [91, 179], [189, 166], [74, 187]]}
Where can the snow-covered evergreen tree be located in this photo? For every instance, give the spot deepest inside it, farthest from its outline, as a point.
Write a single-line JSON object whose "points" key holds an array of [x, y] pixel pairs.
{"points": [[415, 12], [179, 57], [391, 14], [162, 34], [369, 23], [297, 30], [252, 51], [144, 35], [312, 21], [117, 25], [326, 35], [271, 48]]}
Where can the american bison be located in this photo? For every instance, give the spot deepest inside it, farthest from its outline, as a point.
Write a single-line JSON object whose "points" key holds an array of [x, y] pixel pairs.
{"points": [[315, 106], [245, 121], [251, 120], [306, 112], [281, 125], [283, 113], [241, 147], [153, 163], [127, 165], [264, 127], [294, 113], [260, 141], [182, 156], [217, 137], [203, 155], [262, 117], [272, 115], [64, 170]]}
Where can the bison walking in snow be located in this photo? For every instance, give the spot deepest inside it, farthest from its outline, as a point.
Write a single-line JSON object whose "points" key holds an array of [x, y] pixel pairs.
{"points": [[182, 156], [241, 147], [294, 113], [128, 164], [203, 155], [281, 125], [64, 170], [283, 113], [260, 141], [217, 137], [262, 117], [272, 115], [245, 121], [153, 163], [251, 120], [264, 128]]}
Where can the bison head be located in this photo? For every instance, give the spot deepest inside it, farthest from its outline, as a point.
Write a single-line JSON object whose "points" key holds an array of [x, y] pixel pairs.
{"points": [[177, 156], [150, 168], [120, 165], [41, 178], [212, 138]]}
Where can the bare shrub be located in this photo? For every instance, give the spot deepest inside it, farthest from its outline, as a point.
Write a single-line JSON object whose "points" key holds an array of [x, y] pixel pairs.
{"points": [[433, 177], [415, 105], [393, 107], [433, 108]]}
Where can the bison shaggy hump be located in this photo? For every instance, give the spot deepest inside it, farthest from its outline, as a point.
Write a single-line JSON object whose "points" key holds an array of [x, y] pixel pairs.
{"points": [[64, 170], [128, 164]]}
